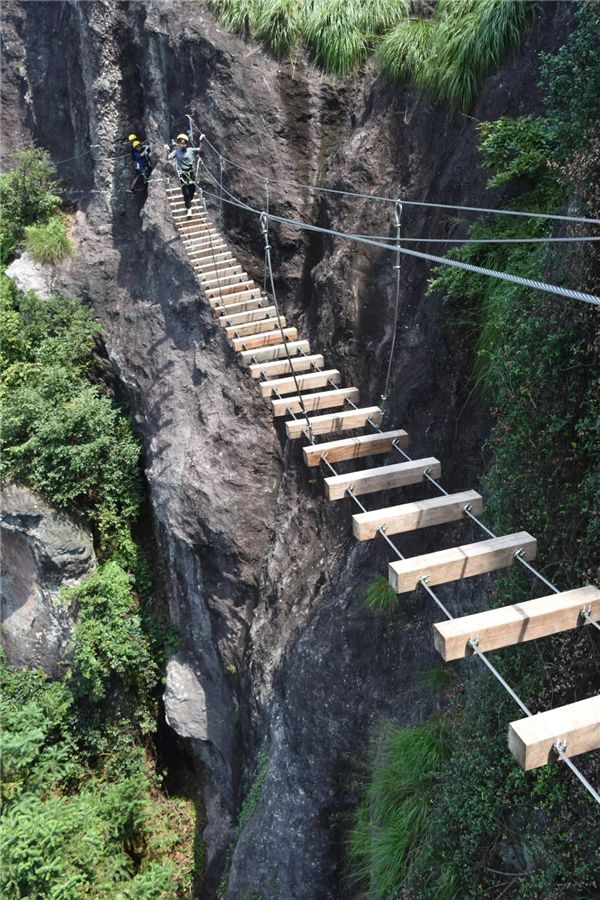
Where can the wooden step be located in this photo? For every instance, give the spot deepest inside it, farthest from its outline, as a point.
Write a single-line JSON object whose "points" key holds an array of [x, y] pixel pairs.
{"points": [[208, 239], [266, 339], [186, 223], [318, 400], [209, 253], [277, 351], [328, 424], [224, 308], [232, 289], [355, 447], [282, 367], [193, 231], [531, 741], [254, 328], [411, 516], [223, 268], [515, 624], [215, 265], [305, 382], [381, 478], [461, 562], [253, 300], [265, 313], [232, 276]]}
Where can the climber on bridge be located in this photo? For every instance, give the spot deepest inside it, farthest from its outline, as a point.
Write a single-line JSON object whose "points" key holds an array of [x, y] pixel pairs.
{"points": [[184, 158], [141, 162]]}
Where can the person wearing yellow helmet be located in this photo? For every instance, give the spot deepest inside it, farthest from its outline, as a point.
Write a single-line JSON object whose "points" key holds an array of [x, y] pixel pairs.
{"points": [[141, 162], [185, 158]]}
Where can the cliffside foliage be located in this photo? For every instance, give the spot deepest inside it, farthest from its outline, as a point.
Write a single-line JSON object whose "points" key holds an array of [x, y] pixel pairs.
{"points": [[63, 435], [83, 813], [447, 49], [493, 830], [29, 194]]}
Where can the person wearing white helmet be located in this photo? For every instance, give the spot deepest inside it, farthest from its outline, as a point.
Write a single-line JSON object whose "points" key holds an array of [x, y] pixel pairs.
{"points": [[185, 158]]}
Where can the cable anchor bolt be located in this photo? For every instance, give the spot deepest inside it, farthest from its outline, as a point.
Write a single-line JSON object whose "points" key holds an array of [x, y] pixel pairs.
{"points": [[586, 613]]}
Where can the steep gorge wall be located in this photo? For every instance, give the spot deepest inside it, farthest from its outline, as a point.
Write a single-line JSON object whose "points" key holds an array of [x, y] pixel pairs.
{"points": [[264, 576]]}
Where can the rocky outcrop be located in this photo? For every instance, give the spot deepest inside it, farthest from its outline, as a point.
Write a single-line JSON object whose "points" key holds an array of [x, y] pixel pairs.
{"points": [[42, 551], [265, 582]]}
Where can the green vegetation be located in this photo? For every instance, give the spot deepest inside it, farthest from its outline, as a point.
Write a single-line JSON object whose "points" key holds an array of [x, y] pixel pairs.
{"points": [[448, 53], [493, 830], [72, 826], [29, 194], [394, 818], [380, 597], [83, 813], [48, 243], [62, 435]]}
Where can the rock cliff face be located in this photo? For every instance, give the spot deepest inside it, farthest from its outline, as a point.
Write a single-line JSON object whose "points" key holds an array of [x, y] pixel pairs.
{"points": [[278, 655], [42, 552]]}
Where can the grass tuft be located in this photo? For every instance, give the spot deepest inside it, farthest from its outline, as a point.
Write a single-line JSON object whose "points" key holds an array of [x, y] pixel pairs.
{"points": [[48, 243], [395, 815], [380, 597], [278, 24], [334, 37]]}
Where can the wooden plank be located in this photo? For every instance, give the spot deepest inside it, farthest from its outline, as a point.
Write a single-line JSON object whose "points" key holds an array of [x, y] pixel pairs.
{"points": [[318, 400], [231, 289], [220, 260], [531, 740], [411, 516], [277, 351], [257, 327], [232, 268], [209, 253], [282, 367], [515, 624], [328, 424], [304, 382], [232, 276], [254, 301], [381, 478], [461, 562], [254, 315], [255, 340], [234, 299], [355, 447]]}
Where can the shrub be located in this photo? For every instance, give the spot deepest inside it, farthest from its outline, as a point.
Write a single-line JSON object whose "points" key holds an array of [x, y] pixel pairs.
{"points": [[61, 435], [48, 243], [28, 194], [111, 655]]}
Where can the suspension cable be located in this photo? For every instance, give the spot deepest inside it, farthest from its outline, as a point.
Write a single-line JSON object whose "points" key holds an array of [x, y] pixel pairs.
{"points": [[438, 260], [405, 201]]}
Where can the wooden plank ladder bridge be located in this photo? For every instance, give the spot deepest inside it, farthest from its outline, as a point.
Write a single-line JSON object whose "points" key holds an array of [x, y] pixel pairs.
{"points": [[284, 364]]}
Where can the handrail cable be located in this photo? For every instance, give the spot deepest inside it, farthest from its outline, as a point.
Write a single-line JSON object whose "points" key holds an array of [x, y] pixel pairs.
{"points": [[381, 199], [438, 260]]}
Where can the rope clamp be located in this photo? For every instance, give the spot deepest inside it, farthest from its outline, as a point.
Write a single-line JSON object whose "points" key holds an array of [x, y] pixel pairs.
{"points": [[586, 612], [560, 746], [519, 554], [473, 642]]}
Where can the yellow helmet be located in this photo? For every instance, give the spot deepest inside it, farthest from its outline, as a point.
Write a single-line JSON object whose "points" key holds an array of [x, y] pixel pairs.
{"points": [[182, 137], [132, 137], [136, 144]]}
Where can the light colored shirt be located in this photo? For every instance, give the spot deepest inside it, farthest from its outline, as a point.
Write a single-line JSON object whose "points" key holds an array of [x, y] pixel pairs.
{"points": [[184, 159]]}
